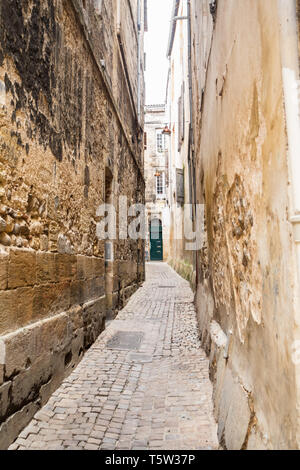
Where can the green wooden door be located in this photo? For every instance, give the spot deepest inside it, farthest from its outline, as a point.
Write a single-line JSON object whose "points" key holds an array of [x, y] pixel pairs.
{"points": [[156, 241]]}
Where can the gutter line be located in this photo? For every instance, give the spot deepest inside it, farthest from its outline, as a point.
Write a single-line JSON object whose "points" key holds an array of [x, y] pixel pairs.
{"points": [[173, 27]]}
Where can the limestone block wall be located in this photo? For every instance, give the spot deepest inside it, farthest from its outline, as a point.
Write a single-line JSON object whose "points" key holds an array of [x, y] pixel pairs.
{"points": [[247, 280], [61, 125]]}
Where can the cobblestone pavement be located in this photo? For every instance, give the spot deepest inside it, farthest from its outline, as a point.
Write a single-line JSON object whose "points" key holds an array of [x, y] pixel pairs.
{"points": [[156, 397]]}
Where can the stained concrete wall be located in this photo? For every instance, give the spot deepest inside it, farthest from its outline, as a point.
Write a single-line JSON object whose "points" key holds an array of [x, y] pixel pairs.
{"points": [[247, 273], [65, 116]]}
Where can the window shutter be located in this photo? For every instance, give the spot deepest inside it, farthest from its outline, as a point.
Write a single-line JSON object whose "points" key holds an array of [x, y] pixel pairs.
{"points": [[181, 118], [180, 186], [159, 142], [145, 140], [179, 123]]}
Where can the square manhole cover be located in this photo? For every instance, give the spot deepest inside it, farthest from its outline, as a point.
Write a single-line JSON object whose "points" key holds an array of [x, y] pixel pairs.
{"points": [[126, 341]]}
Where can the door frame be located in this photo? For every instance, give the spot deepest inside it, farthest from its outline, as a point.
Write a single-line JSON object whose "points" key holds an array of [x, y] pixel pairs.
{"points": [[160, 239]]}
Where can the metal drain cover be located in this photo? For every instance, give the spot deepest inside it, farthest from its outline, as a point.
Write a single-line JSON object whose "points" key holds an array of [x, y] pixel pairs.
{"points": [[126, 341]]}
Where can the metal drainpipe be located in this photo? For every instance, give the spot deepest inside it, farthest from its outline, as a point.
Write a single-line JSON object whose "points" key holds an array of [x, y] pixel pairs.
{"points": [[139, 18]]}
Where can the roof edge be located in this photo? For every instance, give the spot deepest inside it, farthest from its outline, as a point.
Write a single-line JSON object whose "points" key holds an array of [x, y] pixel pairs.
{"points": [[173, 27]]}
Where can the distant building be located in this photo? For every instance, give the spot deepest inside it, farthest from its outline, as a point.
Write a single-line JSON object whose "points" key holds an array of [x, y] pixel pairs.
{"points": [[157, 183]]}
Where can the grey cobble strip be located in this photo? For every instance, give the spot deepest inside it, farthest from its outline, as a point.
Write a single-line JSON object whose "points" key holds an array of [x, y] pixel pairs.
{"points": [[156, 397]]}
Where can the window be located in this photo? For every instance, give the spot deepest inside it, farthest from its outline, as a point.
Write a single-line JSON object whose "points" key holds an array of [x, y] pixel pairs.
{"points": [[160, 185], [180, 186], [160, 142], [181, 119]]}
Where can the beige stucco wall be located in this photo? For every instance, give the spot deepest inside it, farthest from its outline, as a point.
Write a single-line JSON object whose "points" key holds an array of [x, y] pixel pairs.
{"points": [[247, 271], [180, 259]]}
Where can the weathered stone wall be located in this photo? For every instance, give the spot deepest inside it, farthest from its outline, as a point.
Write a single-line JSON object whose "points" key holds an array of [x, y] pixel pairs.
{"points": [[247, 276], [62, 118]]}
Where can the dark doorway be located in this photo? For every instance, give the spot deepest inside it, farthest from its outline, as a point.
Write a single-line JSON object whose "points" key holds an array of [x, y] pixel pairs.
{"points": [[156, 240]]}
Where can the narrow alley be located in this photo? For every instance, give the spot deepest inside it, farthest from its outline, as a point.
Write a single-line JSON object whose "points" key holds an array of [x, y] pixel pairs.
{"points": [[149, 225], [143, 385]]}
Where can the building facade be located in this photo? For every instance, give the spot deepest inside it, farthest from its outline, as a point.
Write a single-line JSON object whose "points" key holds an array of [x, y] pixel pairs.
{"points": [[181, 171], [238, 64], [245, 75], [157, 183], [71, 140]]}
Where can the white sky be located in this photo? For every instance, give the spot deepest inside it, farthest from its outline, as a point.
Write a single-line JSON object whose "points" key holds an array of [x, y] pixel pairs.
{"points": [[156, 43]]}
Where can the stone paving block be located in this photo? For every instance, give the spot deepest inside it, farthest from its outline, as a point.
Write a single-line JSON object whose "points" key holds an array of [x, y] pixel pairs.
{"points": [[158, 397], [21, 268]]}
